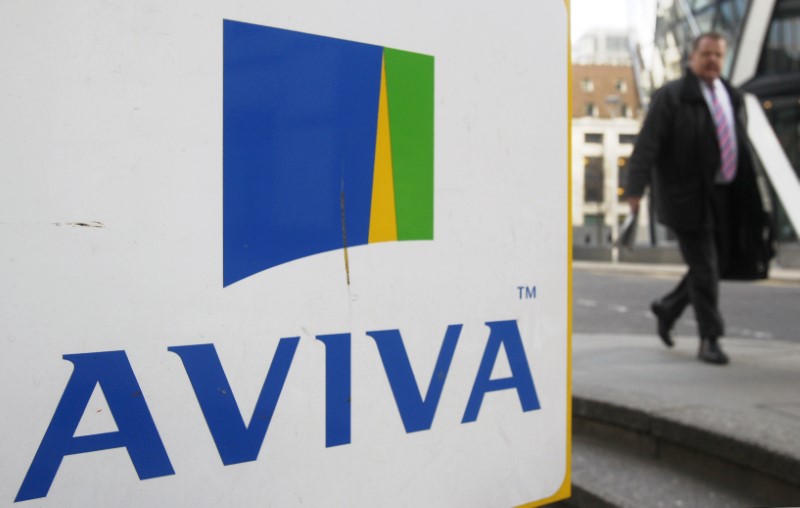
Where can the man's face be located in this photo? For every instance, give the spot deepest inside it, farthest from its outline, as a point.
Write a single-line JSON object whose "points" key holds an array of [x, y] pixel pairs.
{"points": [[707, 60]]}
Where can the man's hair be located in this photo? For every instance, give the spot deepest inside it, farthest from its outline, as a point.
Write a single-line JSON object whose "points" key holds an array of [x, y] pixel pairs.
{"points": [[715, 36]]}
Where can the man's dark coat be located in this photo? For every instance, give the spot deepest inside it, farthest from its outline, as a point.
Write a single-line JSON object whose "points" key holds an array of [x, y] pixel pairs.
{"points": [[677, 151]]}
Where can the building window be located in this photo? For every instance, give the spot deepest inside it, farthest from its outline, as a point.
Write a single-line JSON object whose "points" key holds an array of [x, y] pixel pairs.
{"points": [[593, 137], [593, 180], [591, 110], [784, 115], [587, 85], [621, 86], [593, 219], [782, 49], [617, 43], [627, 139], [622, 177]]}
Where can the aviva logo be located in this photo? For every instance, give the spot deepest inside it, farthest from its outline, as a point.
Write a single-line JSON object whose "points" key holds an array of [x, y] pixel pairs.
{"points": [[328, 144]]}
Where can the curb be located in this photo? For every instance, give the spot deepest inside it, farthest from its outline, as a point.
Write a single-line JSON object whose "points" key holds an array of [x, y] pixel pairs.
{"points": [[753, 448]]}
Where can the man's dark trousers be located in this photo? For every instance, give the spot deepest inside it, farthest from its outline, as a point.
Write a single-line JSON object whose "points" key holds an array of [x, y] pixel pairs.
{"points": [[701, 250]]}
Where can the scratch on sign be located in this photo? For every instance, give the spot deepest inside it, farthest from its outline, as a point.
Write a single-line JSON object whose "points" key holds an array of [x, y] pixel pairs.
{"points": [[344, 235]]}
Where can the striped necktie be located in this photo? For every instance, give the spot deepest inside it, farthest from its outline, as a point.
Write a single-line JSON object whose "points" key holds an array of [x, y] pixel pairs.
{"points": [[727, 147]]}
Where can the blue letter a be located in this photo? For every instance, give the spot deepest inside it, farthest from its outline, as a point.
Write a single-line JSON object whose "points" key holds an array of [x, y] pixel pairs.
{"points": [[417, 413], [507, 334], [235, 442], [136, 430]]}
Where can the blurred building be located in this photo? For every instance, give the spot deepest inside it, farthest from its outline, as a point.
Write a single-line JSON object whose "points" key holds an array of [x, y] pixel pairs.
{"points": [[763, 60], [606, 117], [602, 47]]}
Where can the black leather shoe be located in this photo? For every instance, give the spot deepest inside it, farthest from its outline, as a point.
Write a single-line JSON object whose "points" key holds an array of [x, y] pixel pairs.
{"points": [[710, 352], [663, 327]]}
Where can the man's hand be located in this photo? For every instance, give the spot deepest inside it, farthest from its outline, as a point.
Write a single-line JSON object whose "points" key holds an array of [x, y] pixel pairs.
{"points": [[633, 202]]}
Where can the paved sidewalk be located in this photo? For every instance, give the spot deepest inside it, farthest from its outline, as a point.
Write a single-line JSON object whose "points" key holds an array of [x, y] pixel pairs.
{"points": [[761, 384], [763, 378], [747, 412]]}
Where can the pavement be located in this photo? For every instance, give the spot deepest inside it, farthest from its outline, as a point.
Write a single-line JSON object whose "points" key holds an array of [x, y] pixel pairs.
{"points": [[746, 413]]}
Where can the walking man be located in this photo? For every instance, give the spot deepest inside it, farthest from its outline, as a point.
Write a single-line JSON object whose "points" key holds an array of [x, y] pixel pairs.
{"points": [[693, 149]]}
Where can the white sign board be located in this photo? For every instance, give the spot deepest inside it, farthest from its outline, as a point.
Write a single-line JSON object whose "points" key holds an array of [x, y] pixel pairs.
{"points": [[273, 253]]}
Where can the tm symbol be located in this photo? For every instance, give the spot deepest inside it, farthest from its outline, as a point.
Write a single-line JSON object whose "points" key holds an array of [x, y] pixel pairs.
{"points": [[527, 292]]}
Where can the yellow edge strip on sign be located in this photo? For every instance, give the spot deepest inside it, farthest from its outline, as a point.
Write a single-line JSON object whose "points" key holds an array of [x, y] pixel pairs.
{"points": [[383, 214], [565, 491]]}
